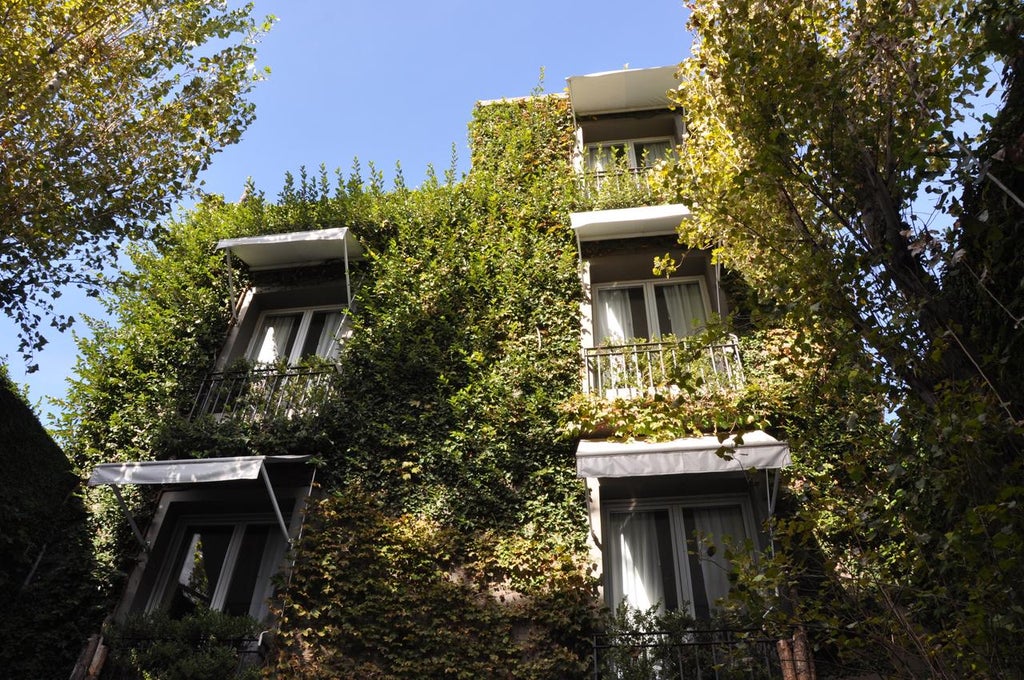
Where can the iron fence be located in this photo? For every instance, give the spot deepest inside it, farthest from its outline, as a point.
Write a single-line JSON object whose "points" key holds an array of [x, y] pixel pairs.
{"points": [[685, 655]]}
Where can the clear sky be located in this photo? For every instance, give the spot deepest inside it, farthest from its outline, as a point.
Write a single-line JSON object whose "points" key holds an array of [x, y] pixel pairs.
{"points": [[391, 81]]}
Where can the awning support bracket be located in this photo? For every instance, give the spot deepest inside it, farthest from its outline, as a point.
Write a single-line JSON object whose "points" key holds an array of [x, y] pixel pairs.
{"points": [[231, 286], [273, 501], [772, 488], [131, 518], [348, 282]]}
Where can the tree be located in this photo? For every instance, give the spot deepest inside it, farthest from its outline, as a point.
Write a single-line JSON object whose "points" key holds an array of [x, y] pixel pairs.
{"points": [[815, 131], [109, 112]]}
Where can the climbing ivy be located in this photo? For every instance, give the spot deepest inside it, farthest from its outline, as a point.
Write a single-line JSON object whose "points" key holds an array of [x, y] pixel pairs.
{"points": [[450, 535]]}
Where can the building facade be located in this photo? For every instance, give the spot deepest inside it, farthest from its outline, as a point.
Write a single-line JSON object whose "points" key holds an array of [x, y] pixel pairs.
{"points": [[230, 533]]}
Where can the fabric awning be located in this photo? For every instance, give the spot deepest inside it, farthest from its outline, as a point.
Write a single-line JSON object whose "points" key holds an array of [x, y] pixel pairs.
{"points": [[624, 90], [693, 455], [294, 249], [191, 471]]}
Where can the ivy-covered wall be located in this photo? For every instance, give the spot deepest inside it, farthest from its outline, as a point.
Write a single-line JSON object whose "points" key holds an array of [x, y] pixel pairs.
{"points": [[448, 536], [452, 534]]}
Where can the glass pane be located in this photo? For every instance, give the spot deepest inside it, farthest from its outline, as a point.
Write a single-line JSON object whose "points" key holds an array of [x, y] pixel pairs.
{"points": [[644, 570], [322, 338], [604, 158], [275, 337], [247, 568], [680, 308], [621, 315], [200, 563], [709, 533], [649, 153]]}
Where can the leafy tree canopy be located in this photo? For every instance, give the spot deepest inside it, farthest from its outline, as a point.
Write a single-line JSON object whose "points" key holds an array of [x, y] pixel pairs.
{"points": [[815, 133], [109, 112], [813, 127]]}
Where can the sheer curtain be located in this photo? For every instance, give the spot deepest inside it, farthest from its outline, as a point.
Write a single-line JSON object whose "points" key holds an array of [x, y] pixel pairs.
{"points": [[716, 528], [599, 159], [614, 317], [603, 158], [637, 576], [330, 338], [649, 153], [685, 308], [273, 341]]}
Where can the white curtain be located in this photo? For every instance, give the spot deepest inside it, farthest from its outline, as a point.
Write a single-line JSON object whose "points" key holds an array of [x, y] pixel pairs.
{"points": [[649, 153], [273, 337], [637, 577], [717, 528], [331, 336], [603, 158], [614, 317], [685, 308], [598, 159]]}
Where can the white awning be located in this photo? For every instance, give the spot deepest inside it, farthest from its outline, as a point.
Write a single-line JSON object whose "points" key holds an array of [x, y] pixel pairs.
{"points": [[191, 471], [294, 249], [694, 455], [651, 220], [627, 90]]}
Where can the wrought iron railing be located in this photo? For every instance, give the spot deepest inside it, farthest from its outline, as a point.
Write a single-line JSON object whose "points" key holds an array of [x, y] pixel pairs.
{"points": [[261, 393], [636, 369], [685, 655], [619, 188]]}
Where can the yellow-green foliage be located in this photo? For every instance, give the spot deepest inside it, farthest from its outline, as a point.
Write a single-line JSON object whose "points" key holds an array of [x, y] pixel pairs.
{"points": [[380, 594], [451, 535]]}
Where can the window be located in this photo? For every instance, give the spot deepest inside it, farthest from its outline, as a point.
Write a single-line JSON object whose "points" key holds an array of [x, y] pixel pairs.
{"points": [[639, 154], [220, 563], [672, 554], [292, 335], [625, 312]]}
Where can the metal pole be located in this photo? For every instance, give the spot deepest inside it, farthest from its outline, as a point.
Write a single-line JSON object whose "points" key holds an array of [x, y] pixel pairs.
{"points": [[232, 302], [273, 501], [348, 283], [131, 518]]}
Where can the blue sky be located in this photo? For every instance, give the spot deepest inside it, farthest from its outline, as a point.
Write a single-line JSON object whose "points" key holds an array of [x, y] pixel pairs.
{"points": [[395, 81]]}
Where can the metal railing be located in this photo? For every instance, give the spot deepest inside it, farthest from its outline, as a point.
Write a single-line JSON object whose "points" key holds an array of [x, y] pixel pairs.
{"points": [[261, 393], [686, 655], [646, 368], [619, 188], [118, 659]]}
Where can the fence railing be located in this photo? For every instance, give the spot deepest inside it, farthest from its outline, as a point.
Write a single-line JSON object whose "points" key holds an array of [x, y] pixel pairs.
{"points": [[637, 369], [261, 393], [685, 655], [619, 188], [120, 659]]}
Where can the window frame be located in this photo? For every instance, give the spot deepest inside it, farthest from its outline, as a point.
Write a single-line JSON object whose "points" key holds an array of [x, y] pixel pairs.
{"points": [[295, 356], [630, 145], [674, 506], [650, 303], [272, 558]]}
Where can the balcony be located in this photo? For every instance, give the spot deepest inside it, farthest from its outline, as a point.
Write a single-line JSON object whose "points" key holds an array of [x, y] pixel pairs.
{"points": [[264, 393], [666, 367], [696, 654]]}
